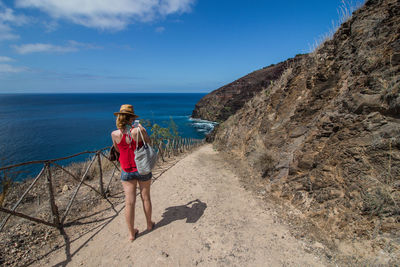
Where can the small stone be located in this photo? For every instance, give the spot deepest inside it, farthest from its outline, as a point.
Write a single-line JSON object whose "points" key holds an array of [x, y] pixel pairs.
{"points": [[318, 245], [65, 188]]}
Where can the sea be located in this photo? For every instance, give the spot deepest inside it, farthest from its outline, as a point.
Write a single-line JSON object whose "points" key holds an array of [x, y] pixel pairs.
{"points": [[49, 126]]}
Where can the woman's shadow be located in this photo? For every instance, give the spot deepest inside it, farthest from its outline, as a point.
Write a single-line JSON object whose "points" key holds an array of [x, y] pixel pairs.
{"points": [[192, 211]]}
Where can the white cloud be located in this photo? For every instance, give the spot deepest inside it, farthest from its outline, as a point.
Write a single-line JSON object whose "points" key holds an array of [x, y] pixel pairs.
{"points": [[7, 20], [5, 59], [174, 6], [34, 48], [72, 46], [6, 68], [50, 26], [160, 29], [7, 15], [108, 14], [6, 32], [79, 45]]}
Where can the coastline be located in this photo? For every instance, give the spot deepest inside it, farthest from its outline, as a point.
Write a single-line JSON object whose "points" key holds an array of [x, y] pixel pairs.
{"points": [[55, 125]]}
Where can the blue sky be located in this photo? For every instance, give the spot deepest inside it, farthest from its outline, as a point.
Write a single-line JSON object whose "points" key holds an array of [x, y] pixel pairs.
{"points": [[54, 46]]}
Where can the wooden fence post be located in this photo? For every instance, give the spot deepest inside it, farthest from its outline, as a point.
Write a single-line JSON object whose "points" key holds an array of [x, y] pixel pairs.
{"points": [[101, 175], [167, 147], [161, 151], [53, 206], [181, 145]]}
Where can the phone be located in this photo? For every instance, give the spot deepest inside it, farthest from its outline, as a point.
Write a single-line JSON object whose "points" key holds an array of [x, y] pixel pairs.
{"points": [[136, 124]]}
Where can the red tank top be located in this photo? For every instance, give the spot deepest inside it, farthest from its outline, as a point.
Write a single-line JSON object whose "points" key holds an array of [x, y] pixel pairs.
{"points": [[127, 154]]}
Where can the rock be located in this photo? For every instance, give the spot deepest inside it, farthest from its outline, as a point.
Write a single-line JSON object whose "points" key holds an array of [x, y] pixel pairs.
{"points": [[318, 245], [65, 188], [299, 131], [367, 103], [329, 127], [306, 162]]}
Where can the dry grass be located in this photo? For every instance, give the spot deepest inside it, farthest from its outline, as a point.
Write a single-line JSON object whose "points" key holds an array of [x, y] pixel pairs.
{"points": [[345, 11], [6, 182], [276, 85]]}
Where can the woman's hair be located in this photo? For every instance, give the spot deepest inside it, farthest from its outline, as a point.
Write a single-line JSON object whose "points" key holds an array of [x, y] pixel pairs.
{"points": [[122, 120]]}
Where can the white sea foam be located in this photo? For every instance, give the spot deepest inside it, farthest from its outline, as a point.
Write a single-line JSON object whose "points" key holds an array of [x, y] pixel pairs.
{"points": [[203, 126]]}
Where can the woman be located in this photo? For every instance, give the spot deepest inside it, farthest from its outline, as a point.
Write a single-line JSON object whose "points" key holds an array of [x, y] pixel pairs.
{"points": [[125, 140]]}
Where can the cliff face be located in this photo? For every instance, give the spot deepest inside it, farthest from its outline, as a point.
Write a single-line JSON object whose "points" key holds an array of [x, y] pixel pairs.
{"points": [[225, 101], [326, 134]]}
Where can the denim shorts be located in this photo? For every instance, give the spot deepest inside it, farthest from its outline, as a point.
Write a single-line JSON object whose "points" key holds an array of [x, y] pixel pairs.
{"points": [[127, 176]]}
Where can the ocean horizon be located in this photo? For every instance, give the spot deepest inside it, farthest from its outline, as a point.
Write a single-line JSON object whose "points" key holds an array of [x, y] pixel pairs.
{"points": [[43, 126]]}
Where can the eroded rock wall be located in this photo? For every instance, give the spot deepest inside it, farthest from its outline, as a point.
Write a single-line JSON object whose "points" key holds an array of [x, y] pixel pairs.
{"points": [[326, 134]]}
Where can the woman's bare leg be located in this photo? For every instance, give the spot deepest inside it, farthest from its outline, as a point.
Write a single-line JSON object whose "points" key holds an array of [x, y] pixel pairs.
{"points": [[146, 200], [130, 201]]}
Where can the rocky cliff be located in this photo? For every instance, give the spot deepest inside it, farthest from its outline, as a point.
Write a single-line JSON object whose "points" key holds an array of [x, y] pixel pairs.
{"points": [[326, 135], [225, 101]]}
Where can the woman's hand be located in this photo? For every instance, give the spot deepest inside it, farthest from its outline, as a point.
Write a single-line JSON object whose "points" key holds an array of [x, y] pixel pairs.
{"points": [[144, 133]]}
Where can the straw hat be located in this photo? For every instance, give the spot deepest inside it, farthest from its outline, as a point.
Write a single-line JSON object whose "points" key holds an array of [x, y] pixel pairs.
{"points": [[126, 109]]}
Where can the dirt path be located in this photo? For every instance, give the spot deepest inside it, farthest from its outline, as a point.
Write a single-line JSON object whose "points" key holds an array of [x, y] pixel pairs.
{"points": [[204, 217]]}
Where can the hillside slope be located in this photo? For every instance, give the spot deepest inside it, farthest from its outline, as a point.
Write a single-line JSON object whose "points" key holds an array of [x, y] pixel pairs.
{"points": [[326, 135], [225, 101]]}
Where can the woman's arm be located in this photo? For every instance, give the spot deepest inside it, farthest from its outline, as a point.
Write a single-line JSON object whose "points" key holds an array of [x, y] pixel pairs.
{"points": [[114, 142], [145, 135], [136, 134]]}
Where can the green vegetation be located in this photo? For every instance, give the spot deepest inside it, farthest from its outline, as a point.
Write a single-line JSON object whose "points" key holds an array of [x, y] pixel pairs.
{"points": [[159, 133]]}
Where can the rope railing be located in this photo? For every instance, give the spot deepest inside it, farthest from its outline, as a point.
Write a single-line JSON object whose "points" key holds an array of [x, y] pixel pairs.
{"points": [[166, 149]]}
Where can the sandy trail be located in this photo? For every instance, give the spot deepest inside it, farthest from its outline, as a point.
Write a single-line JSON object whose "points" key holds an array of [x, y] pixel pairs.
{"points": [[204, 218]]}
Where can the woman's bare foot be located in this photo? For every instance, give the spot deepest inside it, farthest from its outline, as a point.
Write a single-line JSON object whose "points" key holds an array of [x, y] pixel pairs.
{"points": [[131, 238], [151, 227]]}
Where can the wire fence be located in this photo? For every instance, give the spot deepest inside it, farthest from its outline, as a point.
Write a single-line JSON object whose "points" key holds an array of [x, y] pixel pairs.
{"points": [[166, 149]]}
